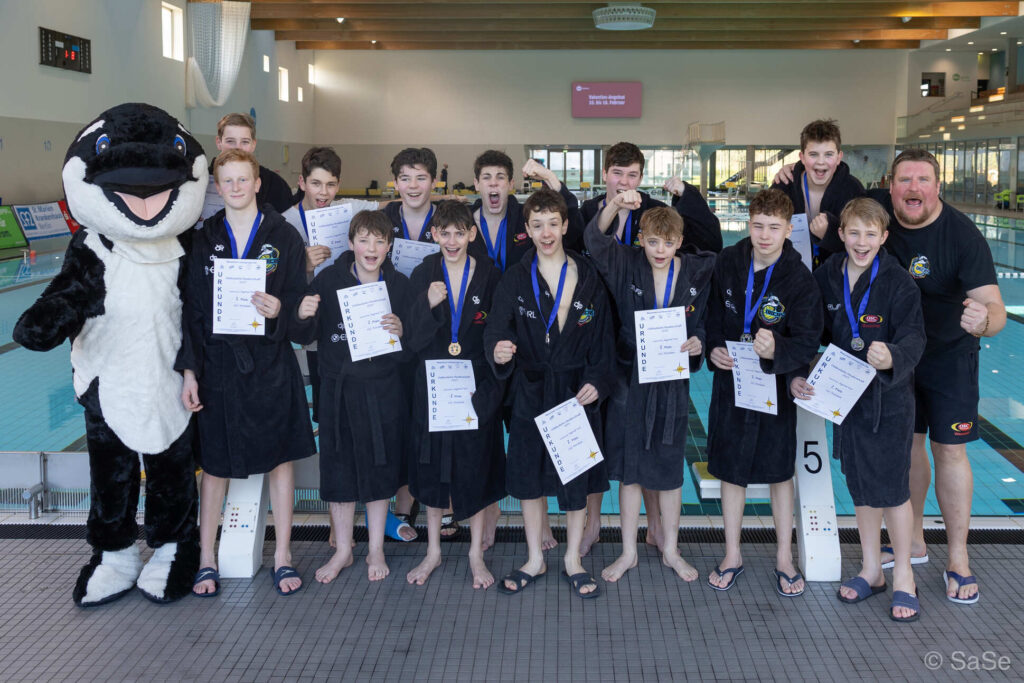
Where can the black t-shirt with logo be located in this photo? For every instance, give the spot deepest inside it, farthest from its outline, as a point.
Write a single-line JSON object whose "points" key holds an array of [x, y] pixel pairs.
{"points": [[946, 259]]}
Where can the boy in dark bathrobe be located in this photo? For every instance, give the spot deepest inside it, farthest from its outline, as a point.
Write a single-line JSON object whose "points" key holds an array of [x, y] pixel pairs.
{"points": [[500, 218], [872, 309], [821, 186], [447, 321], [761, 294], [246, 390], [550, 331], [362, 403], [645, 433], [623, 170]]}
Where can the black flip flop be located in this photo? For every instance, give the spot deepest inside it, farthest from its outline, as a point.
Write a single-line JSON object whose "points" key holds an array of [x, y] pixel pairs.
{"points": [[521, 579], [448, 522], [578, 581]]}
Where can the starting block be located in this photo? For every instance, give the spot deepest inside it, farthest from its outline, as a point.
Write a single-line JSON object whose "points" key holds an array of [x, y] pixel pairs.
{"points": [[816, 524], [711, 488], [245, 519]]}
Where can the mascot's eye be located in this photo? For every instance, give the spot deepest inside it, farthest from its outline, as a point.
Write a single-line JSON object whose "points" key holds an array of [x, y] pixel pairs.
{"points": [[179, 144], [102, 144]]}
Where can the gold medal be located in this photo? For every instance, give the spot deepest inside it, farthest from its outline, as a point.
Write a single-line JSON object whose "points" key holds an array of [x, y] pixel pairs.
{"points": [[455, 348]]}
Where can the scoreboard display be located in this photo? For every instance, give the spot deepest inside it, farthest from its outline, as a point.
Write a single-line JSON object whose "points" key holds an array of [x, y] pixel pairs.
{"points": [[65, 51]]}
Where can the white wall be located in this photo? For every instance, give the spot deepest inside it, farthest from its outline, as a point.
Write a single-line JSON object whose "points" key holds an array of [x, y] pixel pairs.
{"points": [[962, 73], [465, 101], [41, 107]]}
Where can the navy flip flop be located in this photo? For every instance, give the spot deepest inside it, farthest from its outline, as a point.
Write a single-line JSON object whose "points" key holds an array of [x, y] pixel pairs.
{"points": [[578, 581], [961, 581], [779, 576], [905, 599], [520, 578], [863, 589], [207, 574], [283, 573], [735, 571]]}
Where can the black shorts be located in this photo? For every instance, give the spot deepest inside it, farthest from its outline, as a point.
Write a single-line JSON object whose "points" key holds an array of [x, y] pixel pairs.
{"points": [[946, 396]]}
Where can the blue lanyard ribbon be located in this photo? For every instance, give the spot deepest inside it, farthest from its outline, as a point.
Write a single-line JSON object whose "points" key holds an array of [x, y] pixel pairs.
{"points": [[495, 249], [558, 296], [426, 221], [815, 248], [855, 320], [252, 235], [302, 217], [456, 304], [668, 285], [748, 310]]}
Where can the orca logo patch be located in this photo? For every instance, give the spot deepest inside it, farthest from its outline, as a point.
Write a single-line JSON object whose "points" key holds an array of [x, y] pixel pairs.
{"points": [[920, 267], [772, 311], [270, 254]]}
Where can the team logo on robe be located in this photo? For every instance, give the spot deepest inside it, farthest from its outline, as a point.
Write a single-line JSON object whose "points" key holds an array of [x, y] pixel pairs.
{"points": [[636, 290], [961, 428], [690, 309], [586, 317], [476, 300], [520, 237], [693, 291], [920, 267], [731, 306], [218, 247], [270, 254], [772, 310], [871, 320], [577, 305], [480, 317], [337, 337], [834, 307], [395, 229]]}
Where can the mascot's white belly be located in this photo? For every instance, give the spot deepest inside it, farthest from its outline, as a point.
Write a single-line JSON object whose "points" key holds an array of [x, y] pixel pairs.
{"points": [[132, 347]]}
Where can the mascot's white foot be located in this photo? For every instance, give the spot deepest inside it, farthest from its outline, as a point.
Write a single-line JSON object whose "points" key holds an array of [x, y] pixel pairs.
{"points": [[169, 573], [108, 576]]}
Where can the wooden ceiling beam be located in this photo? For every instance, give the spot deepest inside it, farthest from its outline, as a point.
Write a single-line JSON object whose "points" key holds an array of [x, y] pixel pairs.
{"points": [[617, 45], [572, 25], [598, 38], [695, 10]]}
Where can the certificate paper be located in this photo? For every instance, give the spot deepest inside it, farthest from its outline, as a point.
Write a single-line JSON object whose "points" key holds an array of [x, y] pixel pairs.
{"points": [[329, 227], [659, 336], [407, 254], [838, 379], [569, 439], [362, 307], [234, 281], [450, 388], [801, 238], [752, 388]]}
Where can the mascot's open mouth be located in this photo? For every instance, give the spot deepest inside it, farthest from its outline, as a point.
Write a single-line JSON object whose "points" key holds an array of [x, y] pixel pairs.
{"points": [[143, 195], [146, 208]]}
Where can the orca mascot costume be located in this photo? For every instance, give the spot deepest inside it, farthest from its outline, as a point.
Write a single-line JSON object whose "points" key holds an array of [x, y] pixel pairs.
{"points": [[135, 180]]}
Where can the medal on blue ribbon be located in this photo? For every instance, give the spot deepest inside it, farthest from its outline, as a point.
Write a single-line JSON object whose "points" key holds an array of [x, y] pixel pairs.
{"points": [[457, 304], [495, 249], [558, 296], [857, 344], [426, 222], [668, 285]]}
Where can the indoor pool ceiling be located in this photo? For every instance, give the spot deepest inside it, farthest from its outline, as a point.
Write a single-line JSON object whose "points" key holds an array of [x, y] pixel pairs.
{"points": [[568, 24]]}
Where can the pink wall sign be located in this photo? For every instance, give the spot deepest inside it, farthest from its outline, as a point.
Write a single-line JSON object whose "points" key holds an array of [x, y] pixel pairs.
{"points": [[618, 100]]}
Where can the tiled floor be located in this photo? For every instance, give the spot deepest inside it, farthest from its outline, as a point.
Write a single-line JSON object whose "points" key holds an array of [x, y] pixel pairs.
{"points": [[649, 626]]}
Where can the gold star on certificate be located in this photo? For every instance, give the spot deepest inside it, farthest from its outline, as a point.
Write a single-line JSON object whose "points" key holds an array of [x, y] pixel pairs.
{"points": [[836, 413], [679, 369], [392, 342], [769, 403], [255, 324], [593, 455], [469, 419]]}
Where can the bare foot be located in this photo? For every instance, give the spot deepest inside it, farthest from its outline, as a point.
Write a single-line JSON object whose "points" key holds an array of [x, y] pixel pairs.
{"points": [[422, 571], [377, 568], [653, 538], [548, 541], [619, 567], [482, 577], [916, 553], [329, 572], [407, 533], [492, 514], [684, 569], [590, 537]]}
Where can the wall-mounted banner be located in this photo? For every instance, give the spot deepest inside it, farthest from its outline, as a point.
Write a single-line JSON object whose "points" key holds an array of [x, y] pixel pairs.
{"points": [[616, 100]]}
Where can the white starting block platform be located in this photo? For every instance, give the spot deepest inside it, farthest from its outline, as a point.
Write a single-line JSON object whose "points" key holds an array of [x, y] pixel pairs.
{"points": [[711, 488]]}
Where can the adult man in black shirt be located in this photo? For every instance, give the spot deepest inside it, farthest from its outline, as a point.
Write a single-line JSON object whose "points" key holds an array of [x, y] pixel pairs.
{"points": [[952, 264], [238, 131]]}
